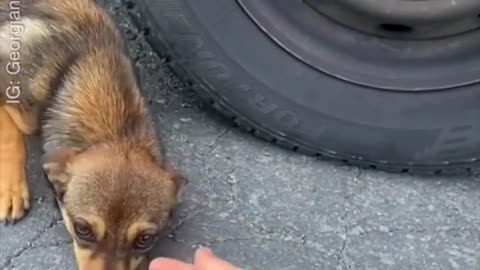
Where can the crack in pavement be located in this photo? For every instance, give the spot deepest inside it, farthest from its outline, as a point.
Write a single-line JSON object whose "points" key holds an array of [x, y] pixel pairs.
{"points": [[224, 240], [424, 231], [55, 244], [271, 237], [342, 254], [30, 244], [286, 237], [252, 229], [231, 184], [179, 224], [275, 235], [211, 147], [257, 232]]}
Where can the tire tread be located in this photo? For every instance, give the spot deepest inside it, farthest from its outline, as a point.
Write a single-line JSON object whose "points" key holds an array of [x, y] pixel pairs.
{"points": [[173, 60]]}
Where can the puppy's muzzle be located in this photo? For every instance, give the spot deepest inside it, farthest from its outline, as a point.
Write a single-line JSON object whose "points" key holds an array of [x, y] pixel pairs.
{"points": [[105, 262]]}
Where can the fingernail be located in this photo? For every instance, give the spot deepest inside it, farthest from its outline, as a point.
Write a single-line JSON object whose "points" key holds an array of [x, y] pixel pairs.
{"points": [[203, 252], [207, 251]]}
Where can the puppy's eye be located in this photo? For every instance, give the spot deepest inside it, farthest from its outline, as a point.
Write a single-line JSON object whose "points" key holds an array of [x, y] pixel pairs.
{"points": [[84, 232], [144, 242]]}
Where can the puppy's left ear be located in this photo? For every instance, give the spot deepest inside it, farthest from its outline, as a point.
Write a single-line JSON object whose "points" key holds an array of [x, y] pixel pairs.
{"points": [[179, 181], [55, 166]]}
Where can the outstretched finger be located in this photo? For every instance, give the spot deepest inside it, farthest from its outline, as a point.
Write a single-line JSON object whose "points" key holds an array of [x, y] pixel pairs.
{"points": [[169, 264], [206, 260]]}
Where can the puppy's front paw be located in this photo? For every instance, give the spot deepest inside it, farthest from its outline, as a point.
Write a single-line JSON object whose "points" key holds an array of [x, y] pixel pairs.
{"points": [[14, 195]]}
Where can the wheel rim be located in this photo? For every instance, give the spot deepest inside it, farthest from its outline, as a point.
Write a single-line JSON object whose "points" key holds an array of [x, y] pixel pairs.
{"points": [[411, 19], [400, 45]]}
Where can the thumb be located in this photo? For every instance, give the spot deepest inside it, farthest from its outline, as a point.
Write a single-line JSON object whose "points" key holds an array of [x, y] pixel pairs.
{"points": [[206, 260]]}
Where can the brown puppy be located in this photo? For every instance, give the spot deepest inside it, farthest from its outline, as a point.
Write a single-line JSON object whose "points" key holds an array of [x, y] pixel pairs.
{"points": [[66, 74]]}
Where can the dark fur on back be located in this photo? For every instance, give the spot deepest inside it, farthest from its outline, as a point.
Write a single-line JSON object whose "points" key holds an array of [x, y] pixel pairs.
{"points": [[82, 41]]}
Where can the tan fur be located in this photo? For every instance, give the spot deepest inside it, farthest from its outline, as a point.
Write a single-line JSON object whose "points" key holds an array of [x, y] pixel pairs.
{"points": [[72, 81], [14, 193], [134, 229], [102, 262], [26, 122]]}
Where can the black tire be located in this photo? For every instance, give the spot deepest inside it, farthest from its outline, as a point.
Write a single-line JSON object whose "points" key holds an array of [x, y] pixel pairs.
{"points": [[247, 77]]}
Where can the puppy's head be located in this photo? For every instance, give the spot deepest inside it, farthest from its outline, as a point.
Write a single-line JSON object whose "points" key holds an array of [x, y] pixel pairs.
{"points": [[115, 202]]}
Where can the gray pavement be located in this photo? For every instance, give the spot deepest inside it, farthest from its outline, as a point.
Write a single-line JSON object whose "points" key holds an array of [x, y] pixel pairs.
{"points": [[266, 208]]}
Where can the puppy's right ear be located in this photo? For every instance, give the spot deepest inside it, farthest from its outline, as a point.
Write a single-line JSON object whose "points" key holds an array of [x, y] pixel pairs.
{"points": [[56, 168]]}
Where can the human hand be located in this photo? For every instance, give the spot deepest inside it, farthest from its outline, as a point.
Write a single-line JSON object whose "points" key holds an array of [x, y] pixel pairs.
{"points": [[204, 259]]}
